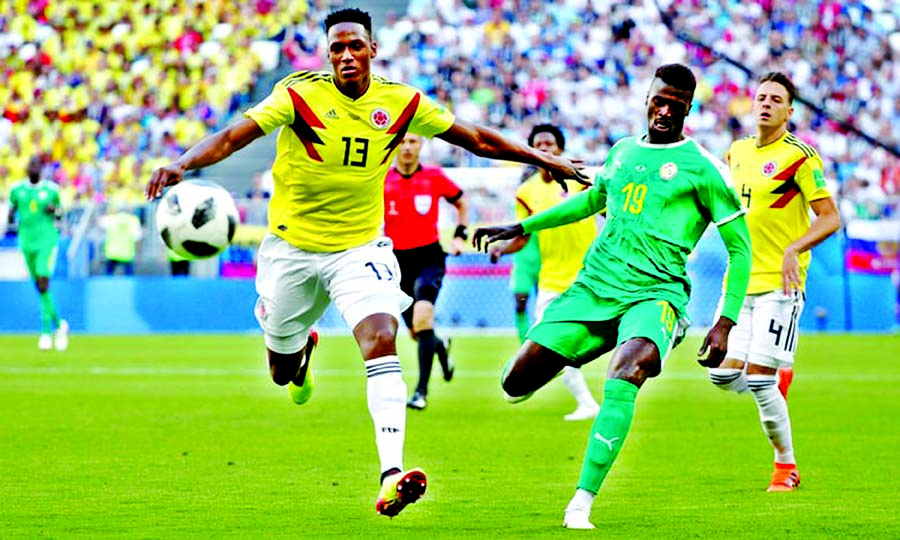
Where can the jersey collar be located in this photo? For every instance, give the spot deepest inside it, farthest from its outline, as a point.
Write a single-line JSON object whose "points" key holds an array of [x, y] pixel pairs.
{"points": [[641, 142]]}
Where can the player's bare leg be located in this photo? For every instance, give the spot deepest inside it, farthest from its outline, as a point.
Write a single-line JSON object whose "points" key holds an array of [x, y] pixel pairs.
{"points": [[532, 368], [633, 363], [386, 396], [293, 369]]}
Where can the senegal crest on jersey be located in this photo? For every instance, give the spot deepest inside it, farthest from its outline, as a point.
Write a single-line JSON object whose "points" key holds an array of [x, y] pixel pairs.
{"points": [[668, 171]]}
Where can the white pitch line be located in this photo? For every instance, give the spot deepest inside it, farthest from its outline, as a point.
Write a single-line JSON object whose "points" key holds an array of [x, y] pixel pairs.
{"points": [[463, 373]]}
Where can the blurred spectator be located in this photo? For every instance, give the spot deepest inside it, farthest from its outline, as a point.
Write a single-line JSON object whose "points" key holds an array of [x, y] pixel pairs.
{"points": [[122, 233]]}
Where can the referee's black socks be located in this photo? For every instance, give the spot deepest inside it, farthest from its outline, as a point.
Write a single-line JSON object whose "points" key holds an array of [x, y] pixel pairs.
{"points": [[427, 345]]}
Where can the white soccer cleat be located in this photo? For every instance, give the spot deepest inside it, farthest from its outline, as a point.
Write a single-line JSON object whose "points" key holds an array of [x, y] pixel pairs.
{"points": [[45, 342], [582, 413], [578, 519], [61, 336]]}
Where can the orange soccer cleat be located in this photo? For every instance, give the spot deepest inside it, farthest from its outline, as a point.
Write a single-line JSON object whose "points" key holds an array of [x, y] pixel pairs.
{"points": [[786, 477]]}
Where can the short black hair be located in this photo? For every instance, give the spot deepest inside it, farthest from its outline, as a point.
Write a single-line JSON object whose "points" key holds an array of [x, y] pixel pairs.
{"points": [[351, 15], [783, 80], [547, 128], [677, 75]]}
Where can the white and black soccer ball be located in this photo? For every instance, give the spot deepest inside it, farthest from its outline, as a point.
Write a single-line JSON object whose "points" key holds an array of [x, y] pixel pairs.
{"points": [[197, 219]]}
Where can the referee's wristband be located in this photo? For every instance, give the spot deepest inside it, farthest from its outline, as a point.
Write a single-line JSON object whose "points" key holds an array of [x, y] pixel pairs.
{"points": [[460, 232]]}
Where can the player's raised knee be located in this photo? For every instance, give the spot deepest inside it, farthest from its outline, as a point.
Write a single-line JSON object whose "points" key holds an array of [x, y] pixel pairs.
{"points": [[513, 386]]}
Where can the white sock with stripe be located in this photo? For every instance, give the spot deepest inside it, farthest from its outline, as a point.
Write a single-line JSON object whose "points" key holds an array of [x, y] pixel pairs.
{"points": [[773, 415], [729, 379], [386, 396]]}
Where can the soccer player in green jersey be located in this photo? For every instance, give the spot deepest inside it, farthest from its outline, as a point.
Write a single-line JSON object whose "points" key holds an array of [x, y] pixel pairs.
{"points": [[661, 191], [35, 204], [338, 131]]}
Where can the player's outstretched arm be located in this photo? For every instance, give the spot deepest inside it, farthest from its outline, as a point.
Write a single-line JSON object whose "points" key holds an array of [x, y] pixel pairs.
{"points": [[462, 219], [489, 235], [585, 204], [211, 149], [486, 142], [513, 246], [737, 241], [828, 221]]}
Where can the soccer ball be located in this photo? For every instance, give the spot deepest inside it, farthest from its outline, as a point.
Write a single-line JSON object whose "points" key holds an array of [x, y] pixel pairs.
{"points": [[196, 219]]}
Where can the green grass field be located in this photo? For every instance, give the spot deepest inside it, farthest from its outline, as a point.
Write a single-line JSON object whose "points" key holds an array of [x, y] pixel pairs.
{"points": [[185, 437]]}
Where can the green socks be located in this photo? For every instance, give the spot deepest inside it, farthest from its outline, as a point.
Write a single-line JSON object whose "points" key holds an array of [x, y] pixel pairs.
{"points": [[49, 319], [522, 325], [608, 433]]}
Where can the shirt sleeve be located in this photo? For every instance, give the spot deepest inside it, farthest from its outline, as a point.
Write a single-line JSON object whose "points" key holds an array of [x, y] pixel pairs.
{"points": [[716, 193], [430, 118], [13, 199], [736, 237], [274, 111], [811, 179], [448, 188], [586, 203], [523, 203]]}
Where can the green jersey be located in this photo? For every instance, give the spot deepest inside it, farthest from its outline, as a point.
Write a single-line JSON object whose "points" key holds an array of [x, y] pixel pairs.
{"points": [[37, 224], [659, 201]]}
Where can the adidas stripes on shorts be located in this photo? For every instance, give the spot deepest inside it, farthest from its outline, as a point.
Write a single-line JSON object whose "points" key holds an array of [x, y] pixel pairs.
{"points": [[767, 329]]}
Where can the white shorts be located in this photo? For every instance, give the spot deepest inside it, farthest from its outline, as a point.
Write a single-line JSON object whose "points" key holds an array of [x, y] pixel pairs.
{"points": [[543, 300], [766, 330], [295, 287]]}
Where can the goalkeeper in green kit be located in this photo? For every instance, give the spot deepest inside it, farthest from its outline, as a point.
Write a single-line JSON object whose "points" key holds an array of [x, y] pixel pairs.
{"points": [[35, 206], [660, 191]]}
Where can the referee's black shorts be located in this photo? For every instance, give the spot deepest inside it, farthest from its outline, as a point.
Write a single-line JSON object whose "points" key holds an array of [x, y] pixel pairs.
{"points": [[422, 272]]}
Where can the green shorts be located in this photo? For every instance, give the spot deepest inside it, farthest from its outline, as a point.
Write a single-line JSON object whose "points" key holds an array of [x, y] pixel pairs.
{"points": [[40, 260], [582, 326]]}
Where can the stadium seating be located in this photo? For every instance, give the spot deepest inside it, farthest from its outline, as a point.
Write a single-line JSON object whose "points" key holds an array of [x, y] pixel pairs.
{"points": [[108, 91]]}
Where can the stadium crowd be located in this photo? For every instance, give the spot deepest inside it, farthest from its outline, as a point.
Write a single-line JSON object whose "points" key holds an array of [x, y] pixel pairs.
{"points": [[582, 65], [108, 90]]}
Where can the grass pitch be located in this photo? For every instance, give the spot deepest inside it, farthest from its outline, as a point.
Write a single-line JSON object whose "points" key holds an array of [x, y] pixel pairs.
{"points": [[185, 437]]}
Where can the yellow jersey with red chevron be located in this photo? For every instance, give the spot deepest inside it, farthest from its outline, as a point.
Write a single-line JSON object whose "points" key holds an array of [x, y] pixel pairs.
{"points": [[562, 248], [776, 182], [333, 153]]}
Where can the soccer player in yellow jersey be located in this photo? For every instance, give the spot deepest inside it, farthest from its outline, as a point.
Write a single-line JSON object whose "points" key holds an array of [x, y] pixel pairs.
{"points": [[780, 178], [338, 133], [561, 249]]}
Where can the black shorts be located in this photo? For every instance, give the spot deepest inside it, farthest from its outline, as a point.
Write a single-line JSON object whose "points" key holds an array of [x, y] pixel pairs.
{"points": [[422, 272]]}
